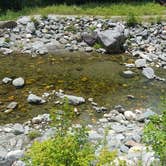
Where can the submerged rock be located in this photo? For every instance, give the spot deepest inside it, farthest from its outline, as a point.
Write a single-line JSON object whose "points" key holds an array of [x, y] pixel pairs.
{"points": [[33, 99], [148, 72], [74, 100]]}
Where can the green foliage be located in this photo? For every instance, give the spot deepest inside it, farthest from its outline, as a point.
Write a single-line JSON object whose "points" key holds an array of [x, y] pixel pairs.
{"points": [[155, 135], [69, 147], [106, 157], [35, 21], [97, 46], [62, 151], [7, 40], [103, 9], [34, 134], [132, 20]]}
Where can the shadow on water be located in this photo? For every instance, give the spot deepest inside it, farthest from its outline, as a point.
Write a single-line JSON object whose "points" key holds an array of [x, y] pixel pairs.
{"points": [[86, 75]]}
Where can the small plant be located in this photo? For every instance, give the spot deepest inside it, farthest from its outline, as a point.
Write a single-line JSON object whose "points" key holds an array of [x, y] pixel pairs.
{"points": [[158, 20], [44, 17], [34, 134], [71, 28], [132, 20], [7, 40], [155, 135], [92, 28], [35, 21], [97, 46]]}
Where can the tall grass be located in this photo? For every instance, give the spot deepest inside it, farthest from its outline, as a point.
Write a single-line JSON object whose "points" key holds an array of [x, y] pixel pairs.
{"points": [[107, 9]]}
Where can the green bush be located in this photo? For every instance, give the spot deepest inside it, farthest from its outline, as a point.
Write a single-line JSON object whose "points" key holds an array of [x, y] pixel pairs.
{"points": [[34, 134], [155, 135], [61, 151], [132, 20]]}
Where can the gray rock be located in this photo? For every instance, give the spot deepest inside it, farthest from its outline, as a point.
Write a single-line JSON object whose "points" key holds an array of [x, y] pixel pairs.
{"points": [[18, 82], [74, 100], [113, 40], [118, 128], [12, 105], [7, 80], [39, 48], [124, 149], [24, 20], [14, 155], [145, 115], [90, 39], [128, 74], [148, 72], [30, 28], [33, 99], [18, 129], [41, 118], [140, 63]]}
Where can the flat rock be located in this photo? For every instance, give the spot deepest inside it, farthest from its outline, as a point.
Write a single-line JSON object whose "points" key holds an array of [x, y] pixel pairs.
{"points": [[7, 80], [12, 105], [148, 72], [139, 63]]}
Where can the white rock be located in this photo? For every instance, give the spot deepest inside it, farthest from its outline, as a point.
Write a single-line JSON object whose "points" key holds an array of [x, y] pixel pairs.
{"points": [[32, 98], [18, 82], [129, 115], [140, 63], [148, 72], [7, 80]]}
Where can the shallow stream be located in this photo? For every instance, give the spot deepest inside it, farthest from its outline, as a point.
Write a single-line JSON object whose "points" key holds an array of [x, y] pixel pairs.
{"points": [[87, 75]]}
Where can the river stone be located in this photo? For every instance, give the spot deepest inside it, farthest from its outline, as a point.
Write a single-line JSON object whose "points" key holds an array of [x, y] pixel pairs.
{"points": [[139, 63], [14, 155], [18, 82], [113, 40], [145, 115], [90, 39], [74, 100], [129, 115], [12, 105], [128, 74], [24, 20], [148, 72], [18, 129], [7, 80], [30, 28], [33, 99]]}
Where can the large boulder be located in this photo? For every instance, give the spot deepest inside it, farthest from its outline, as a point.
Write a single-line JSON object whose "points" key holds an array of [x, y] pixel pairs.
{"points": [[113, 39]]}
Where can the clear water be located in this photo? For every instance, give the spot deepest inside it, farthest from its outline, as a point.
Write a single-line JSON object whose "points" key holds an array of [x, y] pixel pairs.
{"points": [[88, 75]]}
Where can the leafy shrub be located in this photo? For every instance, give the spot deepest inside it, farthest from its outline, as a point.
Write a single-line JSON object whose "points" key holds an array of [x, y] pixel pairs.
{"points": [[132, 20], [70, 146], [155, 135], [34, 134]]}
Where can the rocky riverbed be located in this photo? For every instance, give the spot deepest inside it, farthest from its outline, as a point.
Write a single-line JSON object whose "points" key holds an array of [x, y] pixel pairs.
{"points": [[46, 59]]}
